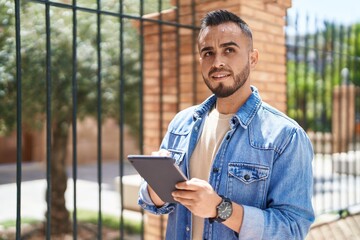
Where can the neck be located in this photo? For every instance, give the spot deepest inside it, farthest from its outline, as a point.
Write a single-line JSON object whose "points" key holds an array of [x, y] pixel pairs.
{"points": [[232, 103]]}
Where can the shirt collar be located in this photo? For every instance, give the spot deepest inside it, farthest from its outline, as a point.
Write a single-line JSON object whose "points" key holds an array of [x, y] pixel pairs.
{"points": [[243, 116]]}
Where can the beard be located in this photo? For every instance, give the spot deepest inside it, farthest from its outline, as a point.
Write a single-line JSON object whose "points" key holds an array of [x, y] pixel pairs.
{"points": [[222, 91]]}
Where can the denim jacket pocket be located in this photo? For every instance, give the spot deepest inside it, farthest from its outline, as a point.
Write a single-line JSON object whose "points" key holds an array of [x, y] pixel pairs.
{"points": [[248, 173], [247, 183]]}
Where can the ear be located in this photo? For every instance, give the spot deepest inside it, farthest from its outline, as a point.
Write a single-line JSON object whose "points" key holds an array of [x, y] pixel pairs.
{"points": [[254, 57]]}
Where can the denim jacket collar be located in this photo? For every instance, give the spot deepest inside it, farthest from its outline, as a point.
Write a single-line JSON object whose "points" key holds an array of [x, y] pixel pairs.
{"points": [[243, 116]]}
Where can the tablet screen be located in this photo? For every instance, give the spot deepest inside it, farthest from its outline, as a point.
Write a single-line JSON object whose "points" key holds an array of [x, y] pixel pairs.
{"points": [[160, 172]]}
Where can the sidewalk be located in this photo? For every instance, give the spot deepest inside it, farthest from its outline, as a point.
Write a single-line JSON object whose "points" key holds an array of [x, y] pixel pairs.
{"points": [[33, 189], [345, 228]]}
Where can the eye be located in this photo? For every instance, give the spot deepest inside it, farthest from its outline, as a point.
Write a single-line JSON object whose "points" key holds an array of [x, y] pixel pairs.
{"points": [[229, 50], [208, 54]]}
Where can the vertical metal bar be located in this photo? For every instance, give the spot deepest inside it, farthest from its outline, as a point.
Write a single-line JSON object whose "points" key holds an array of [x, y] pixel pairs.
{"points": [[357, 110], [324, 78], [121, 119], [194, 39], [48, 117], [160, 43], [99, 117], [306, 72], [316, 69], [178, 85], [323, 111], [296, 70], [332, 78], [18, 119], [161, 85], [340, 63], [74, 115], [141, 93], [348, 99], [314, 96], [288, 50]]}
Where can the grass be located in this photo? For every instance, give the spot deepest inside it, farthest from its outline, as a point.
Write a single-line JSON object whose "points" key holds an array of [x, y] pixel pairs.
{"points": [[12, 223], [86, 216], [130, 226]]}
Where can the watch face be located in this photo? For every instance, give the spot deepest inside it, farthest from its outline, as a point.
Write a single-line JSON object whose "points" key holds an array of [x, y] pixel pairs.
{"points": [[225, 210]]}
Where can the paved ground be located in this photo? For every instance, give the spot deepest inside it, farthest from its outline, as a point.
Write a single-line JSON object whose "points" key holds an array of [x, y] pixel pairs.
{"points": [[33, 187], [340, 229], [33, 204]]}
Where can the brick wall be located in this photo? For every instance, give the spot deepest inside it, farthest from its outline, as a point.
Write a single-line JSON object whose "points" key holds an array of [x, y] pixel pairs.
{"points": [[183, 86]]}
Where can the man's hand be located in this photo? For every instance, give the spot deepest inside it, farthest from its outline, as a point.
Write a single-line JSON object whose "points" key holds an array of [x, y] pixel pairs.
{"points": [[198, 196]]}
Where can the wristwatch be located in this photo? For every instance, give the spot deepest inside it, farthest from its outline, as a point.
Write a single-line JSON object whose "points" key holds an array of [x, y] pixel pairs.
{"points": [[224, 210]]}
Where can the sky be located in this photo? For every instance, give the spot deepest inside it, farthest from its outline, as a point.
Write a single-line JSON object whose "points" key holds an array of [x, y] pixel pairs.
{"points": [[340, 11]]}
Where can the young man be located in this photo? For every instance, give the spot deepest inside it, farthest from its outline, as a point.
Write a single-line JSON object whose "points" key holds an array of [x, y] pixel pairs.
{"points": [[249, 165]]}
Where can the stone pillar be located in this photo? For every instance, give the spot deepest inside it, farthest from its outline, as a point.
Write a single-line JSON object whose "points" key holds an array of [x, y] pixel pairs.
{"points": [[267, 20]]}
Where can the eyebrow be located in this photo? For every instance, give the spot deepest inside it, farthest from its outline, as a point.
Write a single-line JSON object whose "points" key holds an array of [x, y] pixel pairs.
{"points": [[223, 45], [206, 49], [231, 43]]}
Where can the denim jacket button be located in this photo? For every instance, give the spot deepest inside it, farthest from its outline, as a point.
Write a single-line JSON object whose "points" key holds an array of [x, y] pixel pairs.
{"points": [[247, 177], [187, 229]]}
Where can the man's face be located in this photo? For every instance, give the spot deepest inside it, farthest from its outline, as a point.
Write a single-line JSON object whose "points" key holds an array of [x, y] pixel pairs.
{"points": [[224, 58]]}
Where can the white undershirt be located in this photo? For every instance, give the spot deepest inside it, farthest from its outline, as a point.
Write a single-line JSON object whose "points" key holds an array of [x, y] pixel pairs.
{"points": [[215, 127]]}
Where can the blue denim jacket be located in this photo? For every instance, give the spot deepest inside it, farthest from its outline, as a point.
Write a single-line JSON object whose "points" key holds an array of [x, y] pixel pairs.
{"points": [[263, 163]]}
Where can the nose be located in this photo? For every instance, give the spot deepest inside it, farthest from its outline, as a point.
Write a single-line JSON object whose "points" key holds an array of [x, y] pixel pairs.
{"points": [[218, 61]]}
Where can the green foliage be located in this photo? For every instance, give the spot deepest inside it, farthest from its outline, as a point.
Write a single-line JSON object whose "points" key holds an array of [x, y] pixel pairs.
{"points": [[33, 63], [355, 53], [314, 72]]}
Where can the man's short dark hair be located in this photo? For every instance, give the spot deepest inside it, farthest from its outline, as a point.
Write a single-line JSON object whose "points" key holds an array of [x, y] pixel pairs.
{"points": [[217, 17]]}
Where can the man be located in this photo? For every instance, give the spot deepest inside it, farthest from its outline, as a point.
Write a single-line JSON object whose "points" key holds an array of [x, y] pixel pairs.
{"points": [[249, 165]]}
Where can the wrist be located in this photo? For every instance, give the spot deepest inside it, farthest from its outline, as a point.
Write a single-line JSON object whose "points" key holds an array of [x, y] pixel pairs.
{"points": [[224, 210]]}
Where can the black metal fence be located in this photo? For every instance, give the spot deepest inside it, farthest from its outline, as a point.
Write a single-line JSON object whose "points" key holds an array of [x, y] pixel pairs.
{"points": [[323, 96], [75, 59], [323, 77]]}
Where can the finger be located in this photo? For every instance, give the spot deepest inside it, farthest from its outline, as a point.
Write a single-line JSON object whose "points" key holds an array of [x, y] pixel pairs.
{"points": [[186, 185], [191, 185], [186, 195], [186, 202], [161, 152]]}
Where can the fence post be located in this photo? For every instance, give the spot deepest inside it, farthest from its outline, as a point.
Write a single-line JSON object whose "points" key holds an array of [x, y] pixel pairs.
{"points": [[343, 126]]}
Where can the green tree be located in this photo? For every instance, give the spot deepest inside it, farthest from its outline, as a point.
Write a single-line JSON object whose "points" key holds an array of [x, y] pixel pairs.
{"points": [[33, 62], [355, 54], [315, 69]]}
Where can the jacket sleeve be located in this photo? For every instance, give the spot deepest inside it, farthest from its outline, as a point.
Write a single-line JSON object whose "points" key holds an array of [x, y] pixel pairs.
{"points": [[146, 203]]}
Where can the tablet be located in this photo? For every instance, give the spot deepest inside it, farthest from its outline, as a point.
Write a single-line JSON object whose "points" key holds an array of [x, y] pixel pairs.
{"points": [[160, 172]]}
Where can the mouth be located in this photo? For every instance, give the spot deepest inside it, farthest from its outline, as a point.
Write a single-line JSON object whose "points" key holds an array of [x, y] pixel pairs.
{"points": [[219, 76]]}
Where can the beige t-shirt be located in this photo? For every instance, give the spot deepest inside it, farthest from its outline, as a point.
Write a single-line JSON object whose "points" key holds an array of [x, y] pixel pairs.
{"points": [[215, 127]]}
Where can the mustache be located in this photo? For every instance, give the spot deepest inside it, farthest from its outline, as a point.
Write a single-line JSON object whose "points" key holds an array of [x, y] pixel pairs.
{"points": [[214, 70]]}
